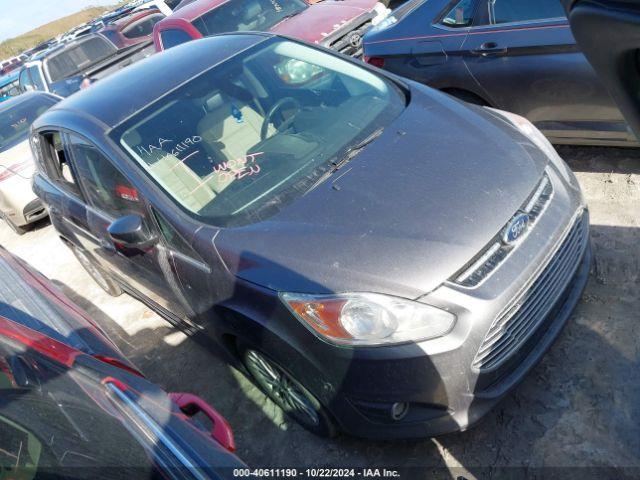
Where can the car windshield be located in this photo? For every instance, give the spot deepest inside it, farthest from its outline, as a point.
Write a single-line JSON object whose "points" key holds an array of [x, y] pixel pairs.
{"points": [[74, 59], [232, 149], [8, 89], [16, 120], [247, 15]]}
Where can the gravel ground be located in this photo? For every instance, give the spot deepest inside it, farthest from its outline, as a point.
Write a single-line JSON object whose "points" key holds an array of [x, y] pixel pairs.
{"points": [[578, 408]]}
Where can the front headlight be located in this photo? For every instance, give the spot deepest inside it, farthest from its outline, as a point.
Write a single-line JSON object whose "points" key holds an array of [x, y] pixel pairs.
{"points": [[368, 319], [529, 130]]}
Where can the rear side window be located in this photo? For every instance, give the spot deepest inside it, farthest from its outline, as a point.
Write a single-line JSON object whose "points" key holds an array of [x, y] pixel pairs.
{"points": [[510, 11], [26, 84], [79, 57], [461, 15], [36, 76], [56, 162], [106, 188], [143, 27], [173, 37]]}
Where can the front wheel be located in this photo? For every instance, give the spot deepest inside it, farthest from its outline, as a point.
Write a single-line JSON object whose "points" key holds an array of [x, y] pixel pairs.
{"points": [[102, 278], [286, 392]]}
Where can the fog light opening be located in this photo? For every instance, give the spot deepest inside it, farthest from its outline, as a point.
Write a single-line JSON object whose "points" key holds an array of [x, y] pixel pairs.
{"points": [[399, 410]]}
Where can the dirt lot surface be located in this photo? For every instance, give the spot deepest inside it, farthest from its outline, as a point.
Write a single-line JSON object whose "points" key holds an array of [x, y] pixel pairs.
{"points": [[579, 407]]}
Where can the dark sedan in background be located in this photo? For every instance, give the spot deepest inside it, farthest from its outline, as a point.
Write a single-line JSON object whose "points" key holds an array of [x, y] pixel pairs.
{"points": [[516, 55], [71, 406], [343, 234]]}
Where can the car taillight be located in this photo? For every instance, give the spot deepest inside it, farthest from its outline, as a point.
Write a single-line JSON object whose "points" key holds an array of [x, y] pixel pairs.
{"points": [[375, 61], [12, 170]]}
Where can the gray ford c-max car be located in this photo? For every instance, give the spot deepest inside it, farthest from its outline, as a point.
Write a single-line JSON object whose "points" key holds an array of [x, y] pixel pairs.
{"points": [[380, 258]]}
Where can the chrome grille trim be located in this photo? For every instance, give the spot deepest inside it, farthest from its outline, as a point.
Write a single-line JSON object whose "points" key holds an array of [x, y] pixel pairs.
{"points": [[497, 252], [519, 321], [339, 40]]}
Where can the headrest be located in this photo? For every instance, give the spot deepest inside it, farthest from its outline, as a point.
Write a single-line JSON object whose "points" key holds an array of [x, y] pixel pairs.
{"points": [[214, 102], [252, 11]]}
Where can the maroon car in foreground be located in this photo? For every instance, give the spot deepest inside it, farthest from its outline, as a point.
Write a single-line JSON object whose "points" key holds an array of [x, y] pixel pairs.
{"points": [[71, 406], [337, 24]]}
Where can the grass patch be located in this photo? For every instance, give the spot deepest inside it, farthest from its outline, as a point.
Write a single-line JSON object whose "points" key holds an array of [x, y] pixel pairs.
{"points": [[17, 45]]}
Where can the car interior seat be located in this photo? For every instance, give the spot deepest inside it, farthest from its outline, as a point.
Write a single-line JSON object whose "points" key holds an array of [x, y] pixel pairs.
{"points": [[251, 17], [231, 127], [184, 184]]}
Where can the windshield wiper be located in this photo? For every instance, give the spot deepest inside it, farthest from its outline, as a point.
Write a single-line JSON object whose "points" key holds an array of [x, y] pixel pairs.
{"points": [[355, 150], [351, 152], [290, 15]]}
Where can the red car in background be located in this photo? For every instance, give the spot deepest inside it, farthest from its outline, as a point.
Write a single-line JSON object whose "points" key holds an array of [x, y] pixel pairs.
{"points": [[337, 24], [132, 29], [72, 406]]}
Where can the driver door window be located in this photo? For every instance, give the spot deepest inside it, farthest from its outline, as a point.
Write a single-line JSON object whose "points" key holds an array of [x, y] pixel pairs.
{"points": [[513, 11], [26, 84], [461, 15], [36, 76], [105, 187]]}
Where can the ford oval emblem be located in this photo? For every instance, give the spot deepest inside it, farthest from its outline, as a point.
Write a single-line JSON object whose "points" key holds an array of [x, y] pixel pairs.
{"points": [[515, 228]]}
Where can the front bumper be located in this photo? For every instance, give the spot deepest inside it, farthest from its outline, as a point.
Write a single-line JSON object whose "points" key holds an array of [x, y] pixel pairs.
{"points": [[440, 379], [19, 203], [442, 397]]}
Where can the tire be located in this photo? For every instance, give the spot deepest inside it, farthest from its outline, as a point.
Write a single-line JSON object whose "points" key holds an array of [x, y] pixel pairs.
{"points": [[289, 394], [16, 229], [102, 278]]}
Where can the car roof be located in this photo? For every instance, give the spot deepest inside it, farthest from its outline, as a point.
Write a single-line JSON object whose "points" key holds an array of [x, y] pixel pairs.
{"points": [[13, 101], [64, 46], [117, 97], [195, 9]]}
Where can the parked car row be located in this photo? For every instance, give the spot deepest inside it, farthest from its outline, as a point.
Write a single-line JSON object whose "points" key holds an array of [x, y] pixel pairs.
{"points": [[379, 257]]}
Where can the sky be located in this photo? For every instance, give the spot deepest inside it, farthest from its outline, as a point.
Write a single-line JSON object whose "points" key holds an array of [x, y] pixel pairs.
{"points": [[20, 16]]}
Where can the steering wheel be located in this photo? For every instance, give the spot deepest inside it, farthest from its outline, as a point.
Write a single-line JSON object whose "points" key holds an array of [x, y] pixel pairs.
{"points": [[272, 111]]}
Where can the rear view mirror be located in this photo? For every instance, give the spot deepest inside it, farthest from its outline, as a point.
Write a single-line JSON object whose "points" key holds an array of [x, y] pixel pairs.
{"points": [[130, 231]]}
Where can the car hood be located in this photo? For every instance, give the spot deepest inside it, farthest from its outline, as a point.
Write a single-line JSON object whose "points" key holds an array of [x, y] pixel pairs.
{"points": [[18, 155], [412, 209], [320, 20]]}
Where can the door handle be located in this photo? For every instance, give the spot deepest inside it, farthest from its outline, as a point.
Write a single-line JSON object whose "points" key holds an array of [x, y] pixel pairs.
{"points": [[489, 49]]}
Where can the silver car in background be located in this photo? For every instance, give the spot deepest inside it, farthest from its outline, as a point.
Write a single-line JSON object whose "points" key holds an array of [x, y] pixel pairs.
{"points": [[19, 206]]}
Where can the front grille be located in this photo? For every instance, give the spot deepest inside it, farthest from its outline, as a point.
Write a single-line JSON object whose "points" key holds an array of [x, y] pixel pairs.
{"points": [[512, 328], [348, 40], [497, 252]]}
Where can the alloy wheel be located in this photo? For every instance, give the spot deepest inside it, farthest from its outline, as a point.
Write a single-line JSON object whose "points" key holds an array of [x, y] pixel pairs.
{"points": [[282, 389]]}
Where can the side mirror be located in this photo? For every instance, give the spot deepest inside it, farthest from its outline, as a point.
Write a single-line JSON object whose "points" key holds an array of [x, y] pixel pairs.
{"points": [[130, 231]]}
